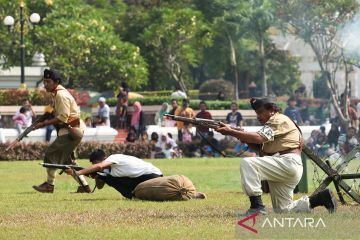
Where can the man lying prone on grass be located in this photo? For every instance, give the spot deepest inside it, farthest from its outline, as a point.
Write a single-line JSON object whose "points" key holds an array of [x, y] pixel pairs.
{"points": [[133, 177]]}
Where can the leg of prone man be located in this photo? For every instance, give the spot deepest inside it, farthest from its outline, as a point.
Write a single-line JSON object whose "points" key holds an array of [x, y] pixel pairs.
{"points": [[120, 171], [283, 173]]}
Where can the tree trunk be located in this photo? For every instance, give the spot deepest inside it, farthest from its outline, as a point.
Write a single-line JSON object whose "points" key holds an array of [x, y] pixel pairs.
{"points": [[233, 66], [262, 64]]}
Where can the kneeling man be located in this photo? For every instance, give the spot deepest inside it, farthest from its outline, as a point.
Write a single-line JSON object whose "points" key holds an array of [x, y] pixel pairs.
{"points": [[279, 142], [123, 172]]}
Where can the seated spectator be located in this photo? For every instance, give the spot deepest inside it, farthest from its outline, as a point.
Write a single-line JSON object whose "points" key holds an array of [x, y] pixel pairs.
{"points": [[104, 111], [88, 122], [168, 147], [234, 118], [293, 112], [333, 136], [144, 138], [210, 146], [138, 119], [348, 141], [20, 120], [131, 137], [99, 122], [242, 149], [203, 114], [186, 133]]}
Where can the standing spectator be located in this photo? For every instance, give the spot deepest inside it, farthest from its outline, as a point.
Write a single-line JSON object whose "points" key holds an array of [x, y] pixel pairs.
{"points": [[203, 114], [221, 96], [353, 115], [333, 136], [30, 113], [138, 119], [174, 105], [159, 116], [50, 128], [184, 111], [298, 98], [20, 120], [234, 118], [293, 112], [178, 94], [121, 106], [104, 111]]}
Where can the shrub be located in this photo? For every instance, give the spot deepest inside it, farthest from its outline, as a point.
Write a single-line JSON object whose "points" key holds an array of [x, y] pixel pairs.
{"points": [[210, 89], [35, 151]]}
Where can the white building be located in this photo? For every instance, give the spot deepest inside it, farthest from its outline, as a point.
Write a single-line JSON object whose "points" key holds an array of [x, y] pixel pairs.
{"points": [[309, 66]]}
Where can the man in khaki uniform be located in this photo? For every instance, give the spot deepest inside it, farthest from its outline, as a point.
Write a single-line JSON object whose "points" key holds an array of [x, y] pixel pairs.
{"points": [[279, 142], [70, 130]]}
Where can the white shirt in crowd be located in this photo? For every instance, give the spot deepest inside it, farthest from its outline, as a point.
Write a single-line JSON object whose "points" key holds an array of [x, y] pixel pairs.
{"points": [[104, 112], [178, 94], [129, 166]]}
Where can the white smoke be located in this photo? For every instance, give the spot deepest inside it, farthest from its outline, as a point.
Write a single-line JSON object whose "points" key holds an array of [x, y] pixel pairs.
{"points": [[350, 38]]}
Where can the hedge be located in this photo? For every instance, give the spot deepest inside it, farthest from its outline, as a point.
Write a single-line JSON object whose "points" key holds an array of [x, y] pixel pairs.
{"points": [[35, 151]]}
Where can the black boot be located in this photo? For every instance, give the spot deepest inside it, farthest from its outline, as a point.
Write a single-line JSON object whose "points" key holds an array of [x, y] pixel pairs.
{"points": [[324, 198], [256, 206]]}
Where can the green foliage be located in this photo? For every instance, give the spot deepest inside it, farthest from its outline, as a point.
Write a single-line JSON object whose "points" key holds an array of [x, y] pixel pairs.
{"points": [[177, 38], [17, 97], [210, 89]]}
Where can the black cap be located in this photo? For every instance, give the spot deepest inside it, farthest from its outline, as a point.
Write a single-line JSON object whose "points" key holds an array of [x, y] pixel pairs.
{"points": [[52, 74], [257, 102]]}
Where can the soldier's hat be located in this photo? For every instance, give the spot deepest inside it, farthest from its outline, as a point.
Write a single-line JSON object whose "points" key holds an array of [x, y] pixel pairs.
{"points": [[53, 74], [258, 102]]}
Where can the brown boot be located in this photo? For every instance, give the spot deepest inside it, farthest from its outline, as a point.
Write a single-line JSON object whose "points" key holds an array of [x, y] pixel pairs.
{"points": [[85, 189], [44, 188]]}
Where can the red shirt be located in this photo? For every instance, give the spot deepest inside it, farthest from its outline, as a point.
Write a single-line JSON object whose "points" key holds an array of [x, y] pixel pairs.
{"points": [[205, 115]]}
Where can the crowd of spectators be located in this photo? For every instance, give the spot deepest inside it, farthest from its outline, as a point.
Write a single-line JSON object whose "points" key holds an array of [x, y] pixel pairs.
{"points": [[201, 142]]}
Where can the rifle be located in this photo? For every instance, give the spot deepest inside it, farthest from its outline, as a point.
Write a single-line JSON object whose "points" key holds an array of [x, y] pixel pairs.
{"points": [[209, 123], [29, 129], [74, 168]]}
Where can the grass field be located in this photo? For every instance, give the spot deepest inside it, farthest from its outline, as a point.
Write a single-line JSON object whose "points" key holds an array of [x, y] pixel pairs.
{"points": [[26, 214]]}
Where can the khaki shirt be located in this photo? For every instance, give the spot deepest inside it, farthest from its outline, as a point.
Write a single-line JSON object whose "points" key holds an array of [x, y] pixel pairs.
{"points": [[65, 108], [187, 112], [280, 133]]}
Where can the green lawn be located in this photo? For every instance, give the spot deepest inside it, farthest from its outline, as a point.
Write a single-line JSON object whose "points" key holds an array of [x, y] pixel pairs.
{"points": [[26, 214]]}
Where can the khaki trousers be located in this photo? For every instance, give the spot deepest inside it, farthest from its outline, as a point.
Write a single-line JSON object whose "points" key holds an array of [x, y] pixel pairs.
{"points": [[283, 173]]}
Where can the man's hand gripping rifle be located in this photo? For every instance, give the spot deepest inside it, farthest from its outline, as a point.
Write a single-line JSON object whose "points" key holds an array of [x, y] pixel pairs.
{"points": [[209, 123], [74, 168]]}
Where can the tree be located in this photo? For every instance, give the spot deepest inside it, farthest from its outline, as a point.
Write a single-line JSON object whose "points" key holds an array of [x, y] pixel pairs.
{"points": [[177, 37], [76, 40], [258, 17], [317, 23]]}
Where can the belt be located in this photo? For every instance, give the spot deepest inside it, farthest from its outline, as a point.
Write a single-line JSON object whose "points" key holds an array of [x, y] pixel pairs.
{"points": [[287, 151]]}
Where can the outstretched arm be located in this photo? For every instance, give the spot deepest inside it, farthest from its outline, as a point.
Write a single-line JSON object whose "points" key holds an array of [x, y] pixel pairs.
{"points": [[246, 137], [94, 168]]}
